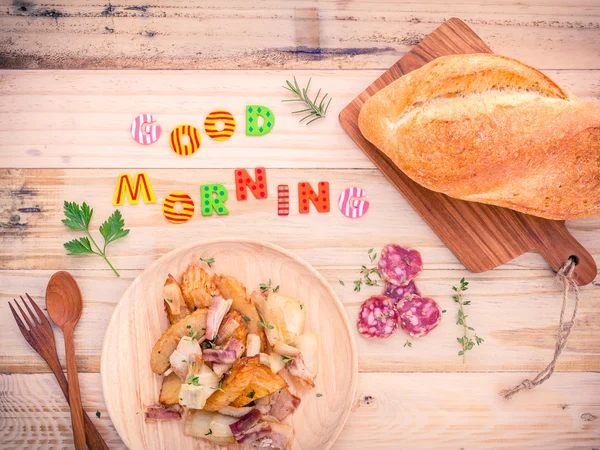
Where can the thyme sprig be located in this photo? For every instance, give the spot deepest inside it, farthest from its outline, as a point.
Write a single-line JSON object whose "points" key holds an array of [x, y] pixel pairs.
{"points": [[466, 342], [368, 272], [316, 109], [209, 261], [264, 288]]}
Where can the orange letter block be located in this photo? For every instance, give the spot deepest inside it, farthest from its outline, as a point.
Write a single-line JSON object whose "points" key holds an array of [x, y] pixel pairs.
{"points": [[243, 180], [319, 198]]}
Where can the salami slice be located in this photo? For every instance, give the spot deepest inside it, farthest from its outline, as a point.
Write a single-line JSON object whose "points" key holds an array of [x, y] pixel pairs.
{"points": [[418, 315], [399, 265], [397, 293], [378, 317]]}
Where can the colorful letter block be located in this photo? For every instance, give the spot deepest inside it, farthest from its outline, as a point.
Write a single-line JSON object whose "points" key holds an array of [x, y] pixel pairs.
{"points": [[258, 186], [142, 132], [171, 213], [213, 198], [253, 112], [185, 149], [349, 204], [319, 198], [124, 188], [211, 121], [283, 200]]}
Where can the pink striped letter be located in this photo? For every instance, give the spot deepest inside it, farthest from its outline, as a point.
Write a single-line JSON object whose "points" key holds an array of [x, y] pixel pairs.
{"points": [[142, 132], [350, 206]]}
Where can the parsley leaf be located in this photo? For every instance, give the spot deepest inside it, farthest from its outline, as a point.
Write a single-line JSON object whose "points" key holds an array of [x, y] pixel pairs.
{"points": [[78, 218]]}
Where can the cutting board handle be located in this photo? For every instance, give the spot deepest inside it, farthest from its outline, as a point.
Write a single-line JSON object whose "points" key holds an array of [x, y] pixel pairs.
{"points": [[557, 245]]}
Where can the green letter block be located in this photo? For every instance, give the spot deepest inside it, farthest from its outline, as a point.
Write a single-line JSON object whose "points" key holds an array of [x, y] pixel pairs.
{"points": [[213, 197], [253, 112]]}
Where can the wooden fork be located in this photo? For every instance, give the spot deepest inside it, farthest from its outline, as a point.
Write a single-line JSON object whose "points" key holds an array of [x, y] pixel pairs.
{"points": [[41, 338]]}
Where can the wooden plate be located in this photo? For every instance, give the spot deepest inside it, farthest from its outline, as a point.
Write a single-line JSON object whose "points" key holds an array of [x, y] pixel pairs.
{"points": [[139, 320]]}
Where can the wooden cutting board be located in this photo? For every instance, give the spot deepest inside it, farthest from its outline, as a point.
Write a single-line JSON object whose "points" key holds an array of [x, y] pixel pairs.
{"points": [[481, 236]]}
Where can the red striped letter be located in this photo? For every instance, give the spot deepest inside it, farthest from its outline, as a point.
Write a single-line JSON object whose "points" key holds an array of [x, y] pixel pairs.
{"points": [[142, 183]]}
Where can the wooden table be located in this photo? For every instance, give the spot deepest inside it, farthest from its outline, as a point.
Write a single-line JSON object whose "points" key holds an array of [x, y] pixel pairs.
{"points": [[64, 136]]}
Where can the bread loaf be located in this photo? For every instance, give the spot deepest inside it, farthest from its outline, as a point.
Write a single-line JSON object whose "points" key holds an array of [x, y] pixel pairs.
{"points": [[487, 128]]}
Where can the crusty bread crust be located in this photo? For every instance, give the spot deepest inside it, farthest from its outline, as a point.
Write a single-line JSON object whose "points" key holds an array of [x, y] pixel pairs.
{"points": [[490, 129]]}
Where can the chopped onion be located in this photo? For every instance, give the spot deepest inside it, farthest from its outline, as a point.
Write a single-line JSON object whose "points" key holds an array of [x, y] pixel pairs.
{"points": [[179, 363], [277, 362], [308, 345], [232, 411], [189, 346], [265, 359], [252, 344], [211, 426], [271, 330], [294, 315], [226, 330], [284, 349], [207, 377], [192, 396]]}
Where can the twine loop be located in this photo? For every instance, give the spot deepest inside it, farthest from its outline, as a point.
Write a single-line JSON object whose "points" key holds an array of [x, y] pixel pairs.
{"points": [[565, 276]]}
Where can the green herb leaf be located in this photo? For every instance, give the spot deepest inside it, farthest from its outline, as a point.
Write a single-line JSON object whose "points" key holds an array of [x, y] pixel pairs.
{"points": [[251, 394], [210, 344], [341, 282], [407, 261], [209, 432], [98, 414], [79, 246], [170, 300], [247, 319], [194, 334], [77, 217], [112, 229], [266, 325], [209, 261], [408, 343], [316, 109], [286, 358], [319, 395], [193, 379], [189, 326]]}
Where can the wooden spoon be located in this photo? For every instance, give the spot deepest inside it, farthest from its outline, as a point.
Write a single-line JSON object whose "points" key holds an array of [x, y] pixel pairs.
{"points": [[64, 304]]}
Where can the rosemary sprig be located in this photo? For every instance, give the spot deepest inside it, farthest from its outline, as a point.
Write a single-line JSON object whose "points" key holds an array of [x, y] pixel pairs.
{"points": [[466, 342], [367, 272], [316, 109]]}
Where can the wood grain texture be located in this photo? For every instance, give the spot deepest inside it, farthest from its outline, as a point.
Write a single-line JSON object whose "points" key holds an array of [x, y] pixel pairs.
{"points": [[70, 119], [139, 320], [481, 236], [515, 310], [234, 34], [414, 410]]}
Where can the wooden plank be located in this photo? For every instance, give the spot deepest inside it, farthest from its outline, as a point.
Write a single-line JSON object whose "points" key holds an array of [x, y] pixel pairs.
{"points": [[417, 411], [82, 118], [32, 235], [515, 311], [234, 34]]}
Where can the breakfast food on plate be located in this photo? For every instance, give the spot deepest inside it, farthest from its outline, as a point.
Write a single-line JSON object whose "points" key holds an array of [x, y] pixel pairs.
{"points": [[419, 315], [487, 128], [399, 265], [226, 358], [400, 304]]}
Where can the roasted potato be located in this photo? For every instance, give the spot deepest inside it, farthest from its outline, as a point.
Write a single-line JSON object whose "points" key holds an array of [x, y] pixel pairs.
{"points": [[225, 330], [197, 287], [234, 383], [161, 352], [169, 392], [233, 289], [175, 305], [264, 382]]}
